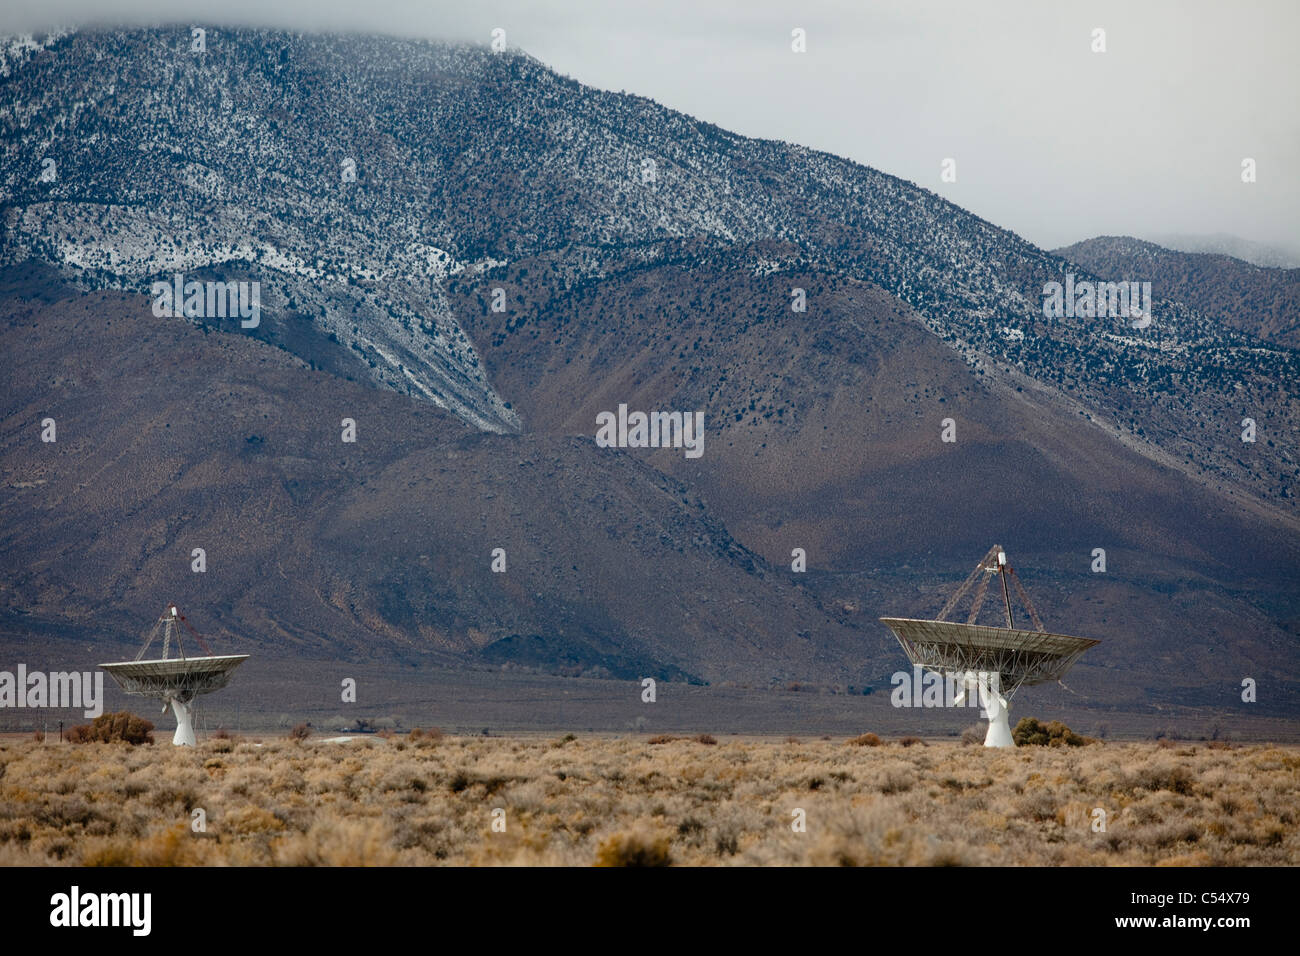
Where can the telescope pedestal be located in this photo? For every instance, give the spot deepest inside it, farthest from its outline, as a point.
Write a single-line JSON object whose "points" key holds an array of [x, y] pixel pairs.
{"points": [[184, 736], [999, 734], [997, 707]]}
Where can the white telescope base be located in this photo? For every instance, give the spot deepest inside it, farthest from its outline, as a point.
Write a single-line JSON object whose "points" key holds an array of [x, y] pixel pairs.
{"points": [[988, 686], [999, 734], [184, 736]]}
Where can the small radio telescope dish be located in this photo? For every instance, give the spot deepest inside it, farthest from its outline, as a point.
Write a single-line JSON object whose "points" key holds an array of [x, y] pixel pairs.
{"points": [[175, 680], [994, 662]]}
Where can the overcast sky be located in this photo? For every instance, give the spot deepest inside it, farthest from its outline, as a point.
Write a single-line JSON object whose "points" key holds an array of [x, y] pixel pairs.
{"points": [[1050, 139]]}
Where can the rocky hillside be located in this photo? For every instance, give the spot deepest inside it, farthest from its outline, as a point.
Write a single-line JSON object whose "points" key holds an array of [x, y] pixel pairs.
{"points": [[171, 439]]}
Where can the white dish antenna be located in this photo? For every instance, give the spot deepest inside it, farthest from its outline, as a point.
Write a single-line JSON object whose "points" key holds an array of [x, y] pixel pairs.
{"points": [[993, 662], [175, 681]]}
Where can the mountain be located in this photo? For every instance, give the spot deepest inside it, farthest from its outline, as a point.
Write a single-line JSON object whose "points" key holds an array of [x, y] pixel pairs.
{"points": [[1268, 255], [1264, 302], [465, 160], [515, 255]]}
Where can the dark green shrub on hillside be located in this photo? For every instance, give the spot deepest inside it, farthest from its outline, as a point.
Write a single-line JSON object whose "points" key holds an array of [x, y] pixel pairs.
{"points": [[1029, 732]]}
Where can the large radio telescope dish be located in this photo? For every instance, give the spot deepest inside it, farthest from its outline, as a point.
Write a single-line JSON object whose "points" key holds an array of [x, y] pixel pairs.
{"points": [[175, 680], [994, 662]]}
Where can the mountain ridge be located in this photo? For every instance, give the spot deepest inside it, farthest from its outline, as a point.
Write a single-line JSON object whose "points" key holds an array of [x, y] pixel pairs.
{"points": [[1261, 301], [490, 199]]}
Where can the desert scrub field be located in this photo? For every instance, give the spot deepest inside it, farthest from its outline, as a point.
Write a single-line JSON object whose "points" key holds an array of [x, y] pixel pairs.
{"points": [[621, 801]]}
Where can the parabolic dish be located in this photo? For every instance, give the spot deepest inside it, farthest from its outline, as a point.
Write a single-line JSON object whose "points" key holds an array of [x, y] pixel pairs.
{"points": [[184, 677], [1020, 657]]}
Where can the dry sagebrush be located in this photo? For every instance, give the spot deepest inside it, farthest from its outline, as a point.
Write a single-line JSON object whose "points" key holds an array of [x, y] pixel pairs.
{"points": [[614, 802]]}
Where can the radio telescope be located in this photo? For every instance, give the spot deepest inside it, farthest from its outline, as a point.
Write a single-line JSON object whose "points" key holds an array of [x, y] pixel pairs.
{"points": [[175, 680], [994, 662]]}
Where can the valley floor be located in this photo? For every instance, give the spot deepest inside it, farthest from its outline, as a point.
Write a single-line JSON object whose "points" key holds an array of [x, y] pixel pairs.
{"points": [[640, 800]]}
